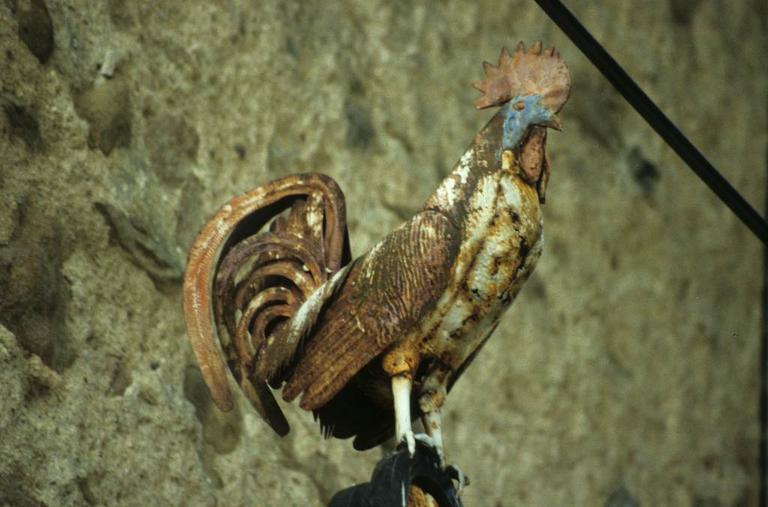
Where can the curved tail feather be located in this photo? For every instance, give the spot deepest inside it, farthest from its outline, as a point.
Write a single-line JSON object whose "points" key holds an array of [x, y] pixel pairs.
{"points": [[244, 284]]}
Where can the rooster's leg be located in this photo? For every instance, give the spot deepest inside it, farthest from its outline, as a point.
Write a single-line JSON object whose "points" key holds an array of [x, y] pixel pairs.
{"points": [[401, 391], [432, 425], [400, 364], [431, 402]]}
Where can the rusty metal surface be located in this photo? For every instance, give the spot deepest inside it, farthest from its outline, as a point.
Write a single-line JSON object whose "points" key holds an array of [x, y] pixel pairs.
{"points": [[304, 248], [524, 72], [265, 298]]}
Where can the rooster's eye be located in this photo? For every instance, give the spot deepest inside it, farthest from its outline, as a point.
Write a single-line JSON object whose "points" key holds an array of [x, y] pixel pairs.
{"points": [[519, 106]]}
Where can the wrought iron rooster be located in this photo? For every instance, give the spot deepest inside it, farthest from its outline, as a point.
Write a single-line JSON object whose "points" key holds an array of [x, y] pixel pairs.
{"points": [[368, 342]]}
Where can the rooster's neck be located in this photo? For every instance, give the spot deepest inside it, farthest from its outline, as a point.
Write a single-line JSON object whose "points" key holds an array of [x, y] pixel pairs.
{"points": [[481, 159]]}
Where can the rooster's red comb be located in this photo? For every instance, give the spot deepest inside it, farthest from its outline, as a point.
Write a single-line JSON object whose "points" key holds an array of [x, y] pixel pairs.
{"points": [[525, 73]]}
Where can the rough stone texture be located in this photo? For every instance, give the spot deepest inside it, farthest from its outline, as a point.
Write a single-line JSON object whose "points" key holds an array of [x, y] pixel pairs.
{"points": [[626, 374]]}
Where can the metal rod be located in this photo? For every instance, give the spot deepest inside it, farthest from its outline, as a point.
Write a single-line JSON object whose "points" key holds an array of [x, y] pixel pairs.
{"points": [[625, 85]]}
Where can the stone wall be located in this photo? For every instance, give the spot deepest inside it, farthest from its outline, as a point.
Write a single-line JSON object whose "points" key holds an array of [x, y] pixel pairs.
{"points": [[626, 373]]}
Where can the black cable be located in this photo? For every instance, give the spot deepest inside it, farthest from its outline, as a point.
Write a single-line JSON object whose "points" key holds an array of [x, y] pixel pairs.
{"points": [[763, 439], [625, 85]]}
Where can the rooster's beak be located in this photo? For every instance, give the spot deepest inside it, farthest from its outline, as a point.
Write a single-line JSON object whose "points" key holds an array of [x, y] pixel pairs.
{"points": [[553, 123]]}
